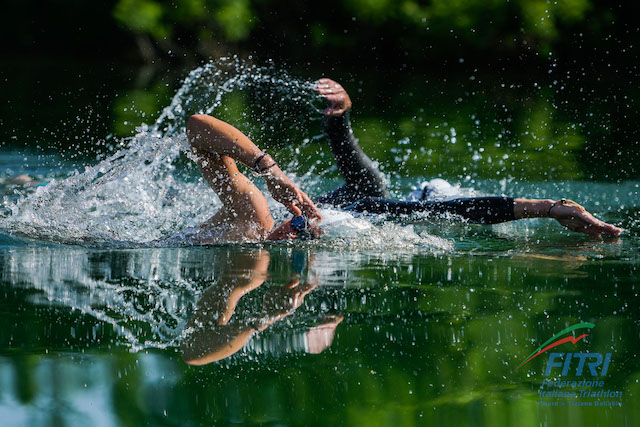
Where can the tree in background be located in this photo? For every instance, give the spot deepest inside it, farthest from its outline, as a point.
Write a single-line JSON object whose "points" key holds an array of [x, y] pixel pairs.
{"points": [[489, 25], [358, 29], [177, 23]]}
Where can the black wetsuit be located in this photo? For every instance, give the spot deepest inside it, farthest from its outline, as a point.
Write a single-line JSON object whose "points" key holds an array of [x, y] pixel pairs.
{"points": [[365, 190]]}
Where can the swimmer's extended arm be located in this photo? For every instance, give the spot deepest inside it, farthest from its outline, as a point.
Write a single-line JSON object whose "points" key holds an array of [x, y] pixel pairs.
{"points": [[208, 134], [360, 173], [493, 210]]}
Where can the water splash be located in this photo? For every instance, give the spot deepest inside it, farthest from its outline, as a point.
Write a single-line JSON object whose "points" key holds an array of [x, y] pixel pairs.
{"points": [[204, 88], [149, 189], [147, 296]]}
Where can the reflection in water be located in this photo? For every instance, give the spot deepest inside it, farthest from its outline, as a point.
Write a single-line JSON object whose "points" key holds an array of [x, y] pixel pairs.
{"points": [[217, 330], [429, 334], [148, 297], [143, 295], [200, 297]]}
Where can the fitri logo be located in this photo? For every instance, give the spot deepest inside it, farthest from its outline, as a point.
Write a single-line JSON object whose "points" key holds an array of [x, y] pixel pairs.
{"points": [[596, 364]]}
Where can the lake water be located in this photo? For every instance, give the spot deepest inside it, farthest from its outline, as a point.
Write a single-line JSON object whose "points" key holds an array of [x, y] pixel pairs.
{"points": [[417, 322]]}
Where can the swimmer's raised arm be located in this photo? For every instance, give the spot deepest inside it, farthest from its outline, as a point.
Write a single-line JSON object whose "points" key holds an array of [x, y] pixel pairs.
{"points": [[210, 135], [362, 176], [365, 190]]}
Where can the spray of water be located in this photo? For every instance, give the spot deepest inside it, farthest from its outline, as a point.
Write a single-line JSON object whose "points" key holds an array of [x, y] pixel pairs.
{"points": [[138, 194]]}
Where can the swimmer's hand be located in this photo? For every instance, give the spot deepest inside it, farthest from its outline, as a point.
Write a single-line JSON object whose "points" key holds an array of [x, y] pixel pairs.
{"points": [[339, 98], [283, 300], [576, 218], [284, 191], [568, 213]]}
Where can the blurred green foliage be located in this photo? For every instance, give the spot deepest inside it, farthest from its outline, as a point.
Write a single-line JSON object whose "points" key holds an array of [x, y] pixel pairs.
{"points": [[484, 24], [142, 16], [229, 20], [358, 29]]}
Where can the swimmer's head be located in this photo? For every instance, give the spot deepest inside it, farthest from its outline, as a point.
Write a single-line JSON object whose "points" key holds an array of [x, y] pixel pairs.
{"points": [[298, 227]]}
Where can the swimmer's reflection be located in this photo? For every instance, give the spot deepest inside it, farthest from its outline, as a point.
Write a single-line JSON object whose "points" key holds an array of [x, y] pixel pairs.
{"points": [[216, 331], [563, 262]]}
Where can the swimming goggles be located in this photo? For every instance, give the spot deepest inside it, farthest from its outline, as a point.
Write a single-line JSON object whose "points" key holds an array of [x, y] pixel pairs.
{"points": [[301, 225]]}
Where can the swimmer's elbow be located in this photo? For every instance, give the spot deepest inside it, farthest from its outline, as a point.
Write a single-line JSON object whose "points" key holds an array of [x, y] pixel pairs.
{"points": [[198, 118], [196, 121], [196, 126]]}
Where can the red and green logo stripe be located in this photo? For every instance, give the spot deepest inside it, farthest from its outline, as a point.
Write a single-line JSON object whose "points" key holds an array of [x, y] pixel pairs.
{"points": [[551, 342]]}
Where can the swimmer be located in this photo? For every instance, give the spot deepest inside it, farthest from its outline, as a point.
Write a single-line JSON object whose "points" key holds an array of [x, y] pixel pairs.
{"points": [[245, 214]]}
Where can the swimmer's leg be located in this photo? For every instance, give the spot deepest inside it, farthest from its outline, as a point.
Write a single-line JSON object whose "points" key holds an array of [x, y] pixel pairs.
{"points": [[362, 177]]}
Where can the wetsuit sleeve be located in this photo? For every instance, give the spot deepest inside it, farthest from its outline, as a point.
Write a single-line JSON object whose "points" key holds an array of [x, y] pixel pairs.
{"points": [[484, 210], [338, 129], [357, 169]]}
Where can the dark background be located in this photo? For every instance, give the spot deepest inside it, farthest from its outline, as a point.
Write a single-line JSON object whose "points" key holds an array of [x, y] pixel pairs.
{"points": [[75, 74], [380, 32]]}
